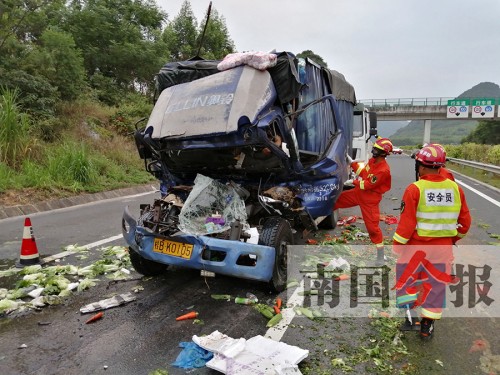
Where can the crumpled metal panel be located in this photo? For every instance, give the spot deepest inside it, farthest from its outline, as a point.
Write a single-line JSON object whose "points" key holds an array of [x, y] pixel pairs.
{"points": [[213, 104]]}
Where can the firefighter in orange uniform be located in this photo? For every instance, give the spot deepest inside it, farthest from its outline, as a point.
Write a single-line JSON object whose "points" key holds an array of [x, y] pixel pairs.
{"points": [[442, 171], [434, 216], [446, 173], [374, 180]]}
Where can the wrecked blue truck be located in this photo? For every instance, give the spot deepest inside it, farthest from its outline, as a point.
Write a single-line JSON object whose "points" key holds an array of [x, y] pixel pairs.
{"points": [[246, 158]]}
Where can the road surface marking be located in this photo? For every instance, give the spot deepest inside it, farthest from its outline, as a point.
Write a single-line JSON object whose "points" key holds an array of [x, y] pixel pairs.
{"points": [[495, 202], [276, 333], [88, 247]]}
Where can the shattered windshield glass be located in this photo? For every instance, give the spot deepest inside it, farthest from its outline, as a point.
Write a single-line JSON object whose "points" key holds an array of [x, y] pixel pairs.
{"points": [[211, 207]]}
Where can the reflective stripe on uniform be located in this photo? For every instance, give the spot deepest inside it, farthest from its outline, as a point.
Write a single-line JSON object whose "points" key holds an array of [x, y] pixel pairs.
{"points": [[437, 215], [400, 239], [431, 314], [362, 185], [430, 226]]}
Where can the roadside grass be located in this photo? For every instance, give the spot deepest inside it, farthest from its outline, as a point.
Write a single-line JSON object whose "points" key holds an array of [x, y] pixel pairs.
{"points": [[80, 151], [487, 154], [478, 174], [76, 168], [14, 129]]}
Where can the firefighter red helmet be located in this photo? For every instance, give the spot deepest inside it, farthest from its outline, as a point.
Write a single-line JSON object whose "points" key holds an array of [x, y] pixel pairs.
{"points": [[432, 156], [441, 147], [384, 144]]}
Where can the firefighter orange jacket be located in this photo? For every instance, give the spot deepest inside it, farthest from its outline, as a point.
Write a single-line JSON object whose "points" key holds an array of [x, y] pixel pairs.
{"points": [[408, 220], [376, 176]]}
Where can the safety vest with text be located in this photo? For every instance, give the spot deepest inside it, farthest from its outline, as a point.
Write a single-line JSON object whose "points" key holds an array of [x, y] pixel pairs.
{"points": [[438, 208]]}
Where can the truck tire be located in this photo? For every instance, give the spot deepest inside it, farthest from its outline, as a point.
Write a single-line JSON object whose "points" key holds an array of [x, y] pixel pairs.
{"points": [[330, 222], [145, 266], [277, 233]]}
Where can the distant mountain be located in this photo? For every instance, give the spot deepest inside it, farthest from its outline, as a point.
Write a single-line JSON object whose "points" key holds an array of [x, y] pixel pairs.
{"points": [[446, 131], [387, 128], [482, 90]]}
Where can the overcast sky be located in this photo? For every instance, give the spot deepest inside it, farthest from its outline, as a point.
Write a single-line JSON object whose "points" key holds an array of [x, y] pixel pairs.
{"points": [[384, 48]]}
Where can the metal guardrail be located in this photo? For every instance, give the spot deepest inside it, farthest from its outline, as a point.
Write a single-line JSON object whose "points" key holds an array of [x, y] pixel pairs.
{"points": [[406, 102], [474, 164]]}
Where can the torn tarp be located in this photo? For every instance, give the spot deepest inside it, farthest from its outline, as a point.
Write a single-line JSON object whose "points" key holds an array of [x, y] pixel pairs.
{"points": [[257, 355]]}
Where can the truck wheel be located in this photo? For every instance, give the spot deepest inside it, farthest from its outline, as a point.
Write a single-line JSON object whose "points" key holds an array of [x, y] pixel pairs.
{"points": [[145, 266], [330, 222], [277, 233]]}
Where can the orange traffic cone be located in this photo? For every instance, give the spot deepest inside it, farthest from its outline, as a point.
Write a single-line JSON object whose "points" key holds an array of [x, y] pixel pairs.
{"points": [[29, 252]]}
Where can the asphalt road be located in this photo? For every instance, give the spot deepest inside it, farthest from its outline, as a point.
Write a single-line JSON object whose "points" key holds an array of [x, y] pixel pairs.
{"points": [[143, 335]]}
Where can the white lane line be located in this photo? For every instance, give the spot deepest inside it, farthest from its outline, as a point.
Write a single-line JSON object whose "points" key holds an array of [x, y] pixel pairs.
{"points": [[88, 247], [276, 333], [495, 202], [103, 241], [69, 252], [140, 194]]}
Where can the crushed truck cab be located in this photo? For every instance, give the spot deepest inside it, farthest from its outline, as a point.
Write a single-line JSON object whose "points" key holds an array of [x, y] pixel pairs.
{"points": [[245, 158]]}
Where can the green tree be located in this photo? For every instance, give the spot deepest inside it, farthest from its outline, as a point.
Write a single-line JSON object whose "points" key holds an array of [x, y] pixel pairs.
{"points": [[216, 43], [25, 20], [486, 132], [22, 23], [181, 34], [120, 40], [311, 55], [61, 63]]}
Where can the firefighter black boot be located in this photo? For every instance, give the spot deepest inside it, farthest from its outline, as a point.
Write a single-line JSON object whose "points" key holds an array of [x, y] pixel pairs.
{"points": [[411, 323], [426, 328]]}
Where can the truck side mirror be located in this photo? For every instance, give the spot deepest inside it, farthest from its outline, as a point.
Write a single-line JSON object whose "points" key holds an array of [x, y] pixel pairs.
{"points": [[373, 121], [373, 131]]}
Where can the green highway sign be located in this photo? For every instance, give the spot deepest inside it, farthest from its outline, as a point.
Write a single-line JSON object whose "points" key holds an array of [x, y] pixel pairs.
{"points": [[483, 107], [458, 102], [458, 108]]}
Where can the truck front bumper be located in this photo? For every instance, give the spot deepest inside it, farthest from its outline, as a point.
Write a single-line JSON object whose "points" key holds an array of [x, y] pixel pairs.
{"points": [[207, 253]]}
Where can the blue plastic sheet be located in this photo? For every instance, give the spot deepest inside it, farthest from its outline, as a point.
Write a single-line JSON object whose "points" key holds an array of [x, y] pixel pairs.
{"points": [[192, 356]]}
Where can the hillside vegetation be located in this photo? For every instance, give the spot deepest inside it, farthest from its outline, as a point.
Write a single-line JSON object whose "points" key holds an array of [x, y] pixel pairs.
{"points": [[75, 77], [90, 151], [442, 131]]}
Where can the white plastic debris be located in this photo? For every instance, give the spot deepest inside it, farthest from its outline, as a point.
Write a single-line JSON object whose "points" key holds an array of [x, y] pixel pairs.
{"points": [[36, 292], [72, 286], [257, 355], [361, 234], [38, 301], [338, 263], [104, 304]]}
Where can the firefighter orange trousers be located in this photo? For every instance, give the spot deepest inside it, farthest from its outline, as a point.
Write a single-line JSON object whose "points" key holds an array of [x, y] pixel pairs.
{"points": [[368, 202]]}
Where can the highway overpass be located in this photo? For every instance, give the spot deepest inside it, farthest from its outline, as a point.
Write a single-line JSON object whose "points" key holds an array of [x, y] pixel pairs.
{"points": [[426, 109]]}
